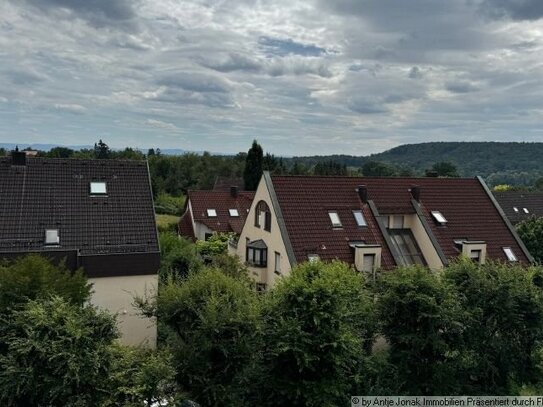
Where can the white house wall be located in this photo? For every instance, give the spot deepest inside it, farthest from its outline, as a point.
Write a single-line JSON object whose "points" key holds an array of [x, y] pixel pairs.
{"points": [[116, 294]]}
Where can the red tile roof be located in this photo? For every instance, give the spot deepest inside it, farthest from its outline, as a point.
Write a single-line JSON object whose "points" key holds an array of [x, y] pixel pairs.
{"points": [[222, 202], [305, 202]]}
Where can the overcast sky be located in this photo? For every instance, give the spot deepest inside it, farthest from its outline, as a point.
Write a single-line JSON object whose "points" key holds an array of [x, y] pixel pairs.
{"points": [[302, 77]]}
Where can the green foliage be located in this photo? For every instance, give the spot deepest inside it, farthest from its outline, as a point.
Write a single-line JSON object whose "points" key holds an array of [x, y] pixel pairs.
{"points": [[139, 376], [377, 169], [214, 319], [179, 257], [101, 150], [538, 184], [330, 168], [444, 169], [171, 205], [318, 326], [215, 245], [531, 233], [60, 152], [253, 167], [167, 223], [57, 355], [421, 319], [34, 277]]}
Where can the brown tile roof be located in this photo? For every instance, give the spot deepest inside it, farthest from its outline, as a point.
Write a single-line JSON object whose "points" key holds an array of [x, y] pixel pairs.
{"points": [[532, 201], [50, 193], [222, 202], [305, 202]]}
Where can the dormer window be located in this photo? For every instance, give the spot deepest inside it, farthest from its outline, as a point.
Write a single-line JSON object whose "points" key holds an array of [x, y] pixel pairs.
{"points": [[211, 213], [334, 218], [439, 218], [98, 188], [233, 213], [359, 217], [509, 253], [52, 237]]}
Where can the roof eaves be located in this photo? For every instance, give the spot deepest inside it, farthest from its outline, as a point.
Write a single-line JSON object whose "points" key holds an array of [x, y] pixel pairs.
{"points": [[506, 221], [279, 216]]}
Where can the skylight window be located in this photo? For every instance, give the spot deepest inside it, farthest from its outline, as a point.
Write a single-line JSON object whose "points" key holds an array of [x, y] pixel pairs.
{"points": [[211, 213], [525, 210], [359, 217], [334, 218], [51, 236], [98, 188], [515, 209], [233, 212], [439, 217], [509, 253]]}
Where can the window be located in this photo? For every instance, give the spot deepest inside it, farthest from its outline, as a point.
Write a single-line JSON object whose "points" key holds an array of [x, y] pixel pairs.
{"points": [[233, 212], [515, 209], [313, 257], [368, 262], [98, 188], [439, 217], [359, 217], [277, 263], [211, 213], [475, 255], [263, 216], [509, 253], [257, 253], [52, 237], [525, 210], [406, 245], [334, 218]]}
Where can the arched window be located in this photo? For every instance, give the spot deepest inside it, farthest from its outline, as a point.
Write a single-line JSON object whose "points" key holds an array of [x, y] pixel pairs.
{"points": [[263, 216]]}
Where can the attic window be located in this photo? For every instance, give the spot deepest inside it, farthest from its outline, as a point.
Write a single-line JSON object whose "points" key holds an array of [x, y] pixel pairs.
{"points": [[211, 213], [438, 216], [525, 210], [509, 253], [233, 212], [52, 237], [515, 209], [98, 188], [359, 217], [334, 218]]}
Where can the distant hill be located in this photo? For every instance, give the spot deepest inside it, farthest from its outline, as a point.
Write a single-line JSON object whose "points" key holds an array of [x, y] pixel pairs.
{"points": [[47, 147], [513, 163]]}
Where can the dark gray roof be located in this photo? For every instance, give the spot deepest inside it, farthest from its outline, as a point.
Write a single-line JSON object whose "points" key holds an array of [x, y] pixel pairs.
{"points": [[54, 194], [530, 201]]}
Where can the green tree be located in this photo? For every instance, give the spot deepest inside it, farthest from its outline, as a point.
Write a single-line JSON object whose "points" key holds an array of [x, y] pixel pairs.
{"points": [[101, 150], [318, 327], [57, 355], [538, 184], [253, 167], [179, 257], [60, 152], [531, 233], [214, 321], [377, 169], [444, 169]]}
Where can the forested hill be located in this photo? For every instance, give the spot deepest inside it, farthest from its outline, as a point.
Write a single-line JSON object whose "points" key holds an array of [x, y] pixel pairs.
{"points": [[488, 159]]}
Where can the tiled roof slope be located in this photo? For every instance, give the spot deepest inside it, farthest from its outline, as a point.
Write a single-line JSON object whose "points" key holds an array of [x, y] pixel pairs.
{"points": [[54, 194], [221, 201], [532, 201], [305, 202]]}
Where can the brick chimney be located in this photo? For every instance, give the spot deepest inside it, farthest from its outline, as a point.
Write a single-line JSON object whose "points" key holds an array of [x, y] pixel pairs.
{"points": [[18, 157], [363, 193], [234, 191], [415, 192]]}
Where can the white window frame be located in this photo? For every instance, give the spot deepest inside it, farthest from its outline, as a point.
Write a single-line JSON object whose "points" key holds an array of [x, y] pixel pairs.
{"points": [[211, 213], [52, 237], [233, 213], [359, 218], [277, 266], [334, 218], [510, 254], [98, 188]]}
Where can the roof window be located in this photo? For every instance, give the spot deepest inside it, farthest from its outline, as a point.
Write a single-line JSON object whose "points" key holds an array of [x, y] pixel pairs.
{"points": [[515, 209], [509, 253], [98, 188], [334, 218], [211, 213], [525, 210], [359, 217], [52, 237], [233, 212], [438, 216]]}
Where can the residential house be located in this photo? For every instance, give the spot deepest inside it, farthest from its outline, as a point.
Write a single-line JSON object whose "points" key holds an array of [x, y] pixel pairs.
{"points": [[519, 206], [215, 211], [373, 223], [94, 214]]}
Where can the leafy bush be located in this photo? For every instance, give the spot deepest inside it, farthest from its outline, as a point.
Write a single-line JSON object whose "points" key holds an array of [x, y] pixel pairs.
{"points": [[531, 233], [179, 257], [169, 205], [167, 223], [217, 244]]}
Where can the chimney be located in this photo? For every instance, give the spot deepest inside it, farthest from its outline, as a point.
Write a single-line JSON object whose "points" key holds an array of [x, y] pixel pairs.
{"points": [[415, 192], [363, 193], [18, 157], [234, 191]]}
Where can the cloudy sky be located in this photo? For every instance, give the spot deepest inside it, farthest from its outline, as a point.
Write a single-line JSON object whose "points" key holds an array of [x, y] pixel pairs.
{"points": [[303, 77]]}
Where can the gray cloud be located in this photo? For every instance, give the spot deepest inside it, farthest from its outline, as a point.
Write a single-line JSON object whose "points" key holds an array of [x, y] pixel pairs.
{"points": [[277, 46], [461, 87], [514, 9]]}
